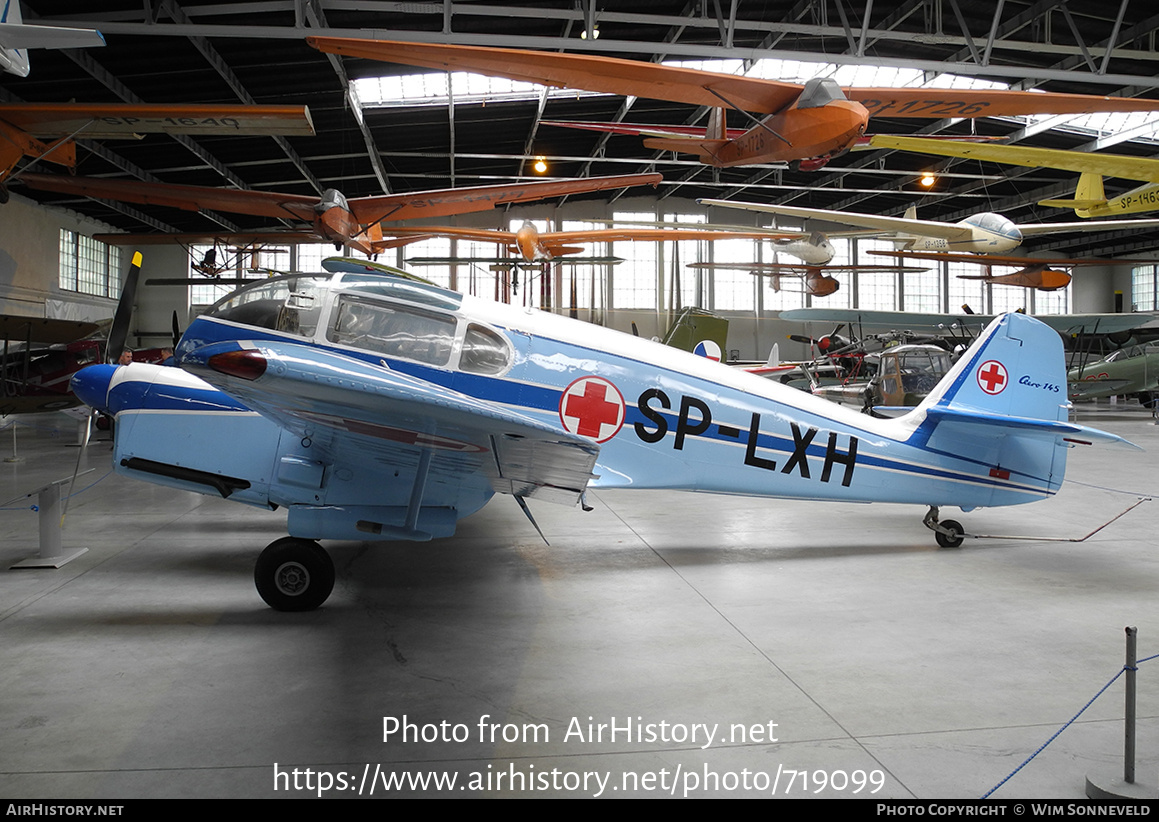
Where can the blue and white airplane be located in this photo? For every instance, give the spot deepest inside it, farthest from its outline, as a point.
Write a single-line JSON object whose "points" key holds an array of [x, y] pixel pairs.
{"points": [[373, 407]]}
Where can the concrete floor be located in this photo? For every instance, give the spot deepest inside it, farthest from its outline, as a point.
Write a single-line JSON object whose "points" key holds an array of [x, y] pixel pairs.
{"points": [[149, 667]]}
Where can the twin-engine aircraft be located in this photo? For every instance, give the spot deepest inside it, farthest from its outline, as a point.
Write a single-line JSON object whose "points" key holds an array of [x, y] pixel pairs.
{"points": [[355, 222], [802, 124], [1090, 200], [372, 408]]}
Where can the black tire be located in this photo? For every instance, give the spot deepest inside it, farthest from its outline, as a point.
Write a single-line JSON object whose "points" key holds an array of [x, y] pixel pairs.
{"points": [[953, 539], [294, 575]]}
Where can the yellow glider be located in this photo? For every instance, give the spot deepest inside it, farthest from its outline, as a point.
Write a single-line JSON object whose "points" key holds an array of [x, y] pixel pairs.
{"points": [[1089, 200]]}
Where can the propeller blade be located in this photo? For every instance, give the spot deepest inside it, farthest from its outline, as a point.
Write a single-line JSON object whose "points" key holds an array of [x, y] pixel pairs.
{"points": [[119, 331], [176, 330]]}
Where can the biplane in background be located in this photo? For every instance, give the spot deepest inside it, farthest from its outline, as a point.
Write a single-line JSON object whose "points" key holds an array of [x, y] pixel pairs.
{"points": [[333, 218], [1090, 199], [38, 360], [22, 124], [41, 355], [804, 124], [375, 408]]}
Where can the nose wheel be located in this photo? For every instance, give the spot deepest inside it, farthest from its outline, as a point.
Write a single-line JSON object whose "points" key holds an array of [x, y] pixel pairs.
{"points": [[294, 574], [948, 533]]}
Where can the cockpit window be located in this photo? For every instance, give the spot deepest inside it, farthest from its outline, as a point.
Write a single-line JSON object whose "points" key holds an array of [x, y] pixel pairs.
{"points": [[484, 351], [393, 329], [264, 304]]}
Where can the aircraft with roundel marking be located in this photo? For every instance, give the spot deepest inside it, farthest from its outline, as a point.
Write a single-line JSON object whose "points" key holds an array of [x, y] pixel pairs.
{"points": [[372, 407]]}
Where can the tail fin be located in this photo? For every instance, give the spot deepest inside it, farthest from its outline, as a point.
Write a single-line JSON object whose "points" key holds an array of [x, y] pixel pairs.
{"points": [[1004, 407], [1088, 194]]}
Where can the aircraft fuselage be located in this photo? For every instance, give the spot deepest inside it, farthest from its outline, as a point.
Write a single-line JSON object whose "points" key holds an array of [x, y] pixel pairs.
{"points": [[662, 418], [989, 234]]}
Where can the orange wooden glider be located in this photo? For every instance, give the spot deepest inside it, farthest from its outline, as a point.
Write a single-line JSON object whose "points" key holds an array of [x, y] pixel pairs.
{"points": [[802, 123], [356, 222]]}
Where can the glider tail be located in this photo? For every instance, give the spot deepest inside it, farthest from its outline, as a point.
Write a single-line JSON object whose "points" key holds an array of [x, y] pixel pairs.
{"points": [[1003, 407], [1088, 196]]}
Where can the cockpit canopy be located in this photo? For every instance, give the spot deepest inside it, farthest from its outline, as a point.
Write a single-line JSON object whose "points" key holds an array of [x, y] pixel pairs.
{"points": [[996, 223], [371, 314]]}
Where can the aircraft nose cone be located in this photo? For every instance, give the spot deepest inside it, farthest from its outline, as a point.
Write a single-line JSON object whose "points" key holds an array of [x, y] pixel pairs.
{"points": [[91, 385]]}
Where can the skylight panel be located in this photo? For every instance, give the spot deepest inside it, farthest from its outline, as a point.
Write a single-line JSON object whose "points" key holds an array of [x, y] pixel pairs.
{"points": [[432, 90]]}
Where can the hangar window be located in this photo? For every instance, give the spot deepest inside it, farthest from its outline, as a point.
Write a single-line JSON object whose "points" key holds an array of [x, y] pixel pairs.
{"points": [[89, 266], [393, 329], [1143, 288]]}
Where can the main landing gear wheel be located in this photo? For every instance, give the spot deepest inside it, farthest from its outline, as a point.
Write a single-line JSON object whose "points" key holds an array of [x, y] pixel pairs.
{"points": [[294, 574], [952, 539]]}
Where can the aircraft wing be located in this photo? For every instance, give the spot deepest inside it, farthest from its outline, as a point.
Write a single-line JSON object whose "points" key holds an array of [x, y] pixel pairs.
{"points": [[1084, 389], [41, 330], [925, 228], [188, 198], [804, 268], [690, 133], [611, 75], [1032, 229], [601, 235], [1144, 169], [27, 36], [245, 239], [933, 103], [634, 78], [995, 259], [487, 235], [352, 409], [1063, 323], [127, 120], [448, 201]]}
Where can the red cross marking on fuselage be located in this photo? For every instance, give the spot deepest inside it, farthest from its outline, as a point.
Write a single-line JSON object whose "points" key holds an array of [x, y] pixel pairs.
{"points": [[586, 409]]}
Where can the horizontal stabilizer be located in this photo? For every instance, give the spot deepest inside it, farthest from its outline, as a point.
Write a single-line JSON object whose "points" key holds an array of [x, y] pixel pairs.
{"points": [[1078, 205], [1069, 431]]}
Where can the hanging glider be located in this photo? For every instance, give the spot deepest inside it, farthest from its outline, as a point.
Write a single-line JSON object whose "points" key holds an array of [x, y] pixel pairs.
{"points": [[802, 123], [1089, 200], [356, 222]]}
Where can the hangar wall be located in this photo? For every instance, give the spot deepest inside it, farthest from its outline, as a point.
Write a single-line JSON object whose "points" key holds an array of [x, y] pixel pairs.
{"points": [[29, 275]]}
